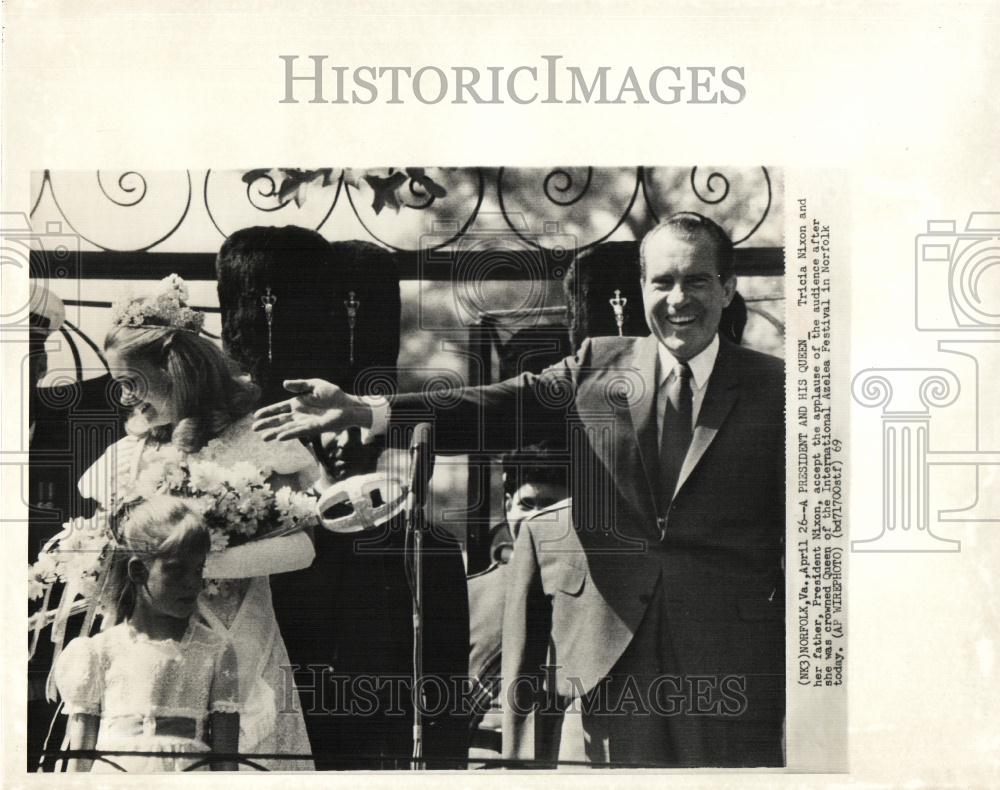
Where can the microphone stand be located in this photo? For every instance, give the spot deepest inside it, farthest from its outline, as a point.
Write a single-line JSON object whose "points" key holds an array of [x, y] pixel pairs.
{"points": [[421, 468]]}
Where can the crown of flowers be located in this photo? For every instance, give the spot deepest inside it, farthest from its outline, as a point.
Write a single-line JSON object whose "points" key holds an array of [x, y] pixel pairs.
{"points": [[166, 306]]}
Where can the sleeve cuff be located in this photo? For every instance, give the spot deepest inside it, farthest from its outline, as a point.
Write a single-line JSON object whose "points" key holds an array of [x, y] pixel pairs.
{"points": [[380, 414]]}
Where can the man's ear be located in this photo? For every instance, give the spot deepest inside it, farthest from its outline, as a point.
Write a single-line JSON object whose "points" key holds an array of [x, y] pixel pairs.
{"points": [[729, 290], [508, 501], [137, 571]]}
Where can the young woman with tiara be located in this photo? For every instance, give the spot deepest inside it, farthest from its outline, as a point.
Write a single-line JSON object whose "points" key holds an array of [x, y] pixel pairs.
{"points": [[189, 400], [159, 680]]}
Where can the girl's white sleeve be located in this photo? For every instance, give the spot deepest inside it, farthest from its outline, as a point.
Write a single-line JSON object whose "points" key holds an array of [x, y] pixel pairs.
{"points": [[261, 558], [79, 678], [109, 473]]}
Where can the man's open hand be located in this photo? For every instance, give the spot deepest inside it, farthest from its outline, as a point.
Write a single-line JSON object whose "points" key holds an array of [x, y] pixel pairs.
{"points": [[318, 407]]}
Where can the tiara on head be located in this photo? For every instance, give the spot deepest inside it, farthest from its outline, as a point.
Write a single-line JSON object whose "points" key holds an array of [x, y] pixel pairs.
{"points": [[167, 306]]}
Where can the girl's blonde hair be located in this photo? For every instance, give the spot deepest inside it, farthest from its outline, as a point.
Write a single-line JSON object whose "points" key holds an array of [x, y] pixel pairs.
{"points": [[162, 526], [207, 390]]}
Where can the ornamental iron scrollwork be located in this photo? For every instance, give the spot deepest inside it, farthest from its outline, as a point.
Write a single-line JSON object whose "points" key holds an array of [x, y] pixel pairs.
{"points": [[125, 184], [560, 181], [136, 187], [560, 187], [592, 204], [266, 194], [710, 191]]}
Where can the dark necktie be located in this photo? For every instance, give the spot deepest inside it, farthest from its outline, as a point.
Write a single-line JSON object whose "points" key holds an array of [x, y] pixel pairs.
{"points": [[676, 429]]}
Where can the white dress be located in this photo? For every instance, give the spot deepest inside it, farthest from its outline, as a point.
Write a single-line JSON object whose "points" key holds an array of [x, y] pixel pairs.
{"points": [[271, 718], [151, 695]]}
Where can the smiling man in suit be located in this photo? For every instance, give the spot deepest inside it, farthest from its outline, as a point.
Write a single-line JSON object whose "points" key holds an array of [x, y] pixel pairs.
{"points": [[656, 610], [667, 630]]}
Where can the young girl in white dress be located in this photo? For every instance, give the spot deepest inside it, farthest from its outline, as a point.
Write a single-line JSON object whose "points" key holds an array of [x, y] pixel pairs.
{"points": [[158, 681], [187, 397]]}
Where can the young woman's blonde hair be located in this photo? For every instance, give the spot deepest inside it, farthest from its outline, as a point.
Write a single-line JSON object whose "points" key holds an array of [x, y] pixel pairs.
{"points": [[162, 526], [207, 389]]}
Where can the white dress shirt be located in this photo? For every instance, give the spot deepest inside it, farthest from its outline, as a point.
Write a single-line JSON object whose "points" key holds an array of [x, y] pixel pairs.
{"points": [[667, 369]]}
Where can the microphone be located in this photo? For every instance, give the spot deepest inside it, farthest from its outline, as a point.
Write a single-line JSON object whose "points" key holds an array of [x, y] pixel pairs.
{"points": [[421, 468], [421, 465]]}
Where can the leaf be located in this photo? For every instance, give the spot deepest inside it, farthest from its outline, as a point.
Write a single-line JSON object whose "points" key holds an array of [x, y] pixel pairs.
{"points": [[288, 188], [353, 177], [252, 175], [433, 187], [392, 201], [295, 182], [384, 190], [300, 193], [396, 180]]}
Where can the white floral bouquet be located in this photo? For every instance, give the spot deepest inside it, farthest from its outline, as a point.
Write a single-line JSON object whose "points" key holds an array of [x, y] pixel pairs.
{"points": [[78, 557], [77, 554], [237, 503]]}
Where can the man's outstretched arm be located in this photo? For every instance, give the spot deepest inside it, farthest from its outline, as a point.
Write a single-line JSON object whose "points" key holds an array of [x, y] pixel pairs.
{"points": [[493, 418]]}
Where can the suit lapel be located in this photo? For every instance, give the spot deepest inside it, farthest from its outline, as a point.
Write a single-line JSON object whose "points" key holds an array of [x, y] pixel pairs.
{"points": [[642, 407], [723, 388]]}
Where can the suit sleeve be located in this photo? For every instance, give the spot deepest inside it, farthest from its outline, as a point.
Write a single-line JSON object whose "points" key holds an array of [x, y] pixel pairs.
{"points": [[498, 417], [526, 627]]}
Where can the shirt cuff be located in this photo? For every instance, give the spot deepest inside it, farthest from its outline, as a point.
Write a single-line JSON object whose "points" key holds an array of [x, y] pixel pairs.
{"points": [[380, 414]]}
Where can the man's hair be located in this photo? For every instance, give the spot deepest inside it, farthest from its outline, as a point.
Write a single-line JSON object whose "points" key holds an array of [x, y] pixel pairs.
{"points": [[688, 226], [533, 464], [297, 264]]}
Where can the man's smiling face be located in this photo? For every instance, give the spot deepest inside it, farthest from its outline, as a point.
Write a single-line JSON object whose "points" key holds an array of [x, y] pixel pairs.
{"points": [[682, 295]]}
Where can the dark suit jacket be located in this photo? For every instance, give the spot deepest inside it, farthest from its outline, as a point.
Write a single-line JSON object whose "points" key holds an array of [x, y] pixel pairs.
{"points": [[720, 560]]}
